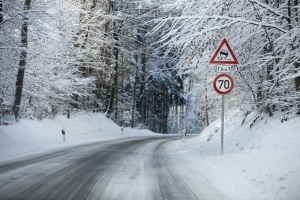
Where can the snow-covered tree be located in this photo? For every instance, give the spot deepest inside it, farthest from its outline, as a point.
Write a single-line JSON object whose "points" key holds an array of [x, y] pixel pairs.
{"points": [[263, 38], [145, 63]]}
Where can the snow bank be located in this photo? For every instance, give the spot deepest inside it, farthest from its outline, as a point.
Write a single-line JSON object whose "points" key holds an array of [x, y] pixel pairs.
{"points": [[34, 136], [258, 163]]}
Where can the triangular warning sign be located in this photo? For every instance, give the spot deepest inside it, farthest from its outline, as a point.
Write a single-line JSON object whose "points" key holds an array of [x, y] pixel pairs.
{"points": [[224, 55]]}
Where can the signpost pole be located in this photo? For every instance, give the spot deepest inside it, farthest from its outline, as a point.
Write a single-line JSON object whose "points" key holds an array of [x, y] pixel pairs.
{"points": [[223, 83], [222, 124]]}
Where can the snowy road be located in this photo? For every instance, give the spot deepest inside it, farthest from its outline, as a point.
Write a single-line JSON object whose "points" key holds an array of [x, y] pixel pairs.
{"points": [[133, 169]]}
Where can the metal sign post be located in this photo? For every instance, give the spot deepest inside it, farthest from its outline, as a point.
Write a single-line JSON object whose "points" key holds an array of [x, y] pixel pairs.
{"points": [[222, 124], [223, 83]]}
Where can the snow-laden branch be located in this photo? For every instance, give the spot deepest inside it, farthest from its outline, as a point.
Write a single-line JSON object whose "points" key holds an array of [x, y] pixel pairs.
{"points": [[270, 9], [230, 21]]}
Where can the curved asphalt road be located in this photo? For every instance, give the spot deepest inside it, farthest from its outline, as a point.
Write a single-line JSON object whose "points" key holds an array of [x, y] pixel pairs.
{"points": [[130, 169]]}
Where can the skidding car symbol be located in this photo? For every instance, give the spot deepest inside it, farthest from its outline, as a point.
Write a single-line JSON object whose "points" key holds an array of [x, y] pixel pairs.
{"points": [[223, 55]]}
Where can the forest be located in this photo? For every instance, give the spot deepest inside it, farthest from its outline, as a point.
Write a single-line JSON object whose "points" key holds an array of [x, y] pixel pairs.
{"points": [[145, 63]]}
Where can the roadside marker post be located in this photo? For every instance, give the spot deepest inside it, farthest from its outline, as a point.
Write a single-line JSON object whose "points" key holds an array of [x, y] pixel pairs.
{"points": [[63, 132]]}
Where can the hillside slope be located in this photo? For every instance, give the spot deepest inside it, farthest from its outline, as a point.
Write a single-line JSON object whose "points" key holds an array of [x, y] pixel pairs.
{"points": [[262, 162]]}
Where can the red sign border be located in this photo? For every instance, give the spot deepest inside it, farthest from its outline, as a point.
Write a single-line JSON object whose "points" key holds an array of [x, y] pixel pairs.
{"points": [[224, 62], [215, 84]]}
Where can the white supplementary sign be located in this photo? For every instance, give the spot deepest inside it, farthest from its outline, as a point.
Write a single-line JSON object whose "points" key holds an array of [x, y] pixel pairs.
{"points": [[224, 69], [223, 84], [224, 55]]}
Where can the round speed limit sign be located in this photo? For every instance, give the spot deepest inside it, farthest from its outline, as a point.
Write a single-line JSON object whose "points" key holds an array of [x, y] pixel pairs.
{"points": [[223, 84]]}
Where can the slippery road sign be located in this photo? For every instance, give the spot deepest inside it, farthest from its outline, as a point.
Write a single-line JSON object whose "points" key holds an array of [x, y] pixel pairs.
{"points": [[224, 55]]}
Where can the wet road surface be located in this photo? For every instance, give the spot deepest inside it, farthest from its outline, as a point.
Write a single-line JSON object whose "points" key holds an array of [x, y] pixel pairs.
{"points": [[133, 169]]}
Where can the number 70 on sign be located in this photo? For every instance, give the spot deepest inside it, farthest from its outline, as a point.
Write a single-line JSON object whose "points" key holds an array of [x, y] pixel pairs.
{"points": [[223, 84]]}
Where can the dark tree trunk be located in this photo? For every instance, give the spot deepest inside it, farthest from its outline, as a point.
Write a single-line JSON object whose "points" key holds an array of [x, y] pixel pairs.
{"points": [[1, 9], [142, 99], [297, 64], [297, 85], [115, 80], [293, 14], [22, 63], [134, 98]]}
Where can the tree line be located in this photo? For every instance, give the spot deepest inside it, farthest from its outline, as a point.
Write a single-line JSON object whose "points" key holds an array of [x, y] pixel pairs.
{"points": [[145, 63]]}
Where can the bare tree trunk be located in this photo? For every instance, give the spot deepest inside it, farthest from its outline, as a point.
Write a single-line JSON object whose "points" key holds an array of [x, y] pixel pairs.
{"points": [[1, 9], [142, 99], [115, 80], [206, 107], [297, 87], [134, 99], [297, 79], [22, 63], [293, 13], [297, 64]]}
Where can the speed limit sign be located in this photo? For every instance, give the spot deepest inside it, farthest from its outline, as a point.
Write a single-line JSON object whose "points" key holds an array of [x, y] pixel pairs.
{"points": [[223, 84]]}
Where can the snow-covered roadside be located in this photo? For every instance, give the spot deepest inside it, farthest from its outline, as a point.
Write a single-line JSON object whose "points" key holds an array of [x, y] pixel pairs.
{"points": [[258, 163], [30, 137]]}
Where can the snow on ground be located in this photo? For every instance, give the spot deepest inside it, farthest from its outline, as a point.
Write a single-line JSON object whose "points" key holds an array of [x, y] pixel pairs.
{"points": [[261, 163], [34, 136], [258, 163]]}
